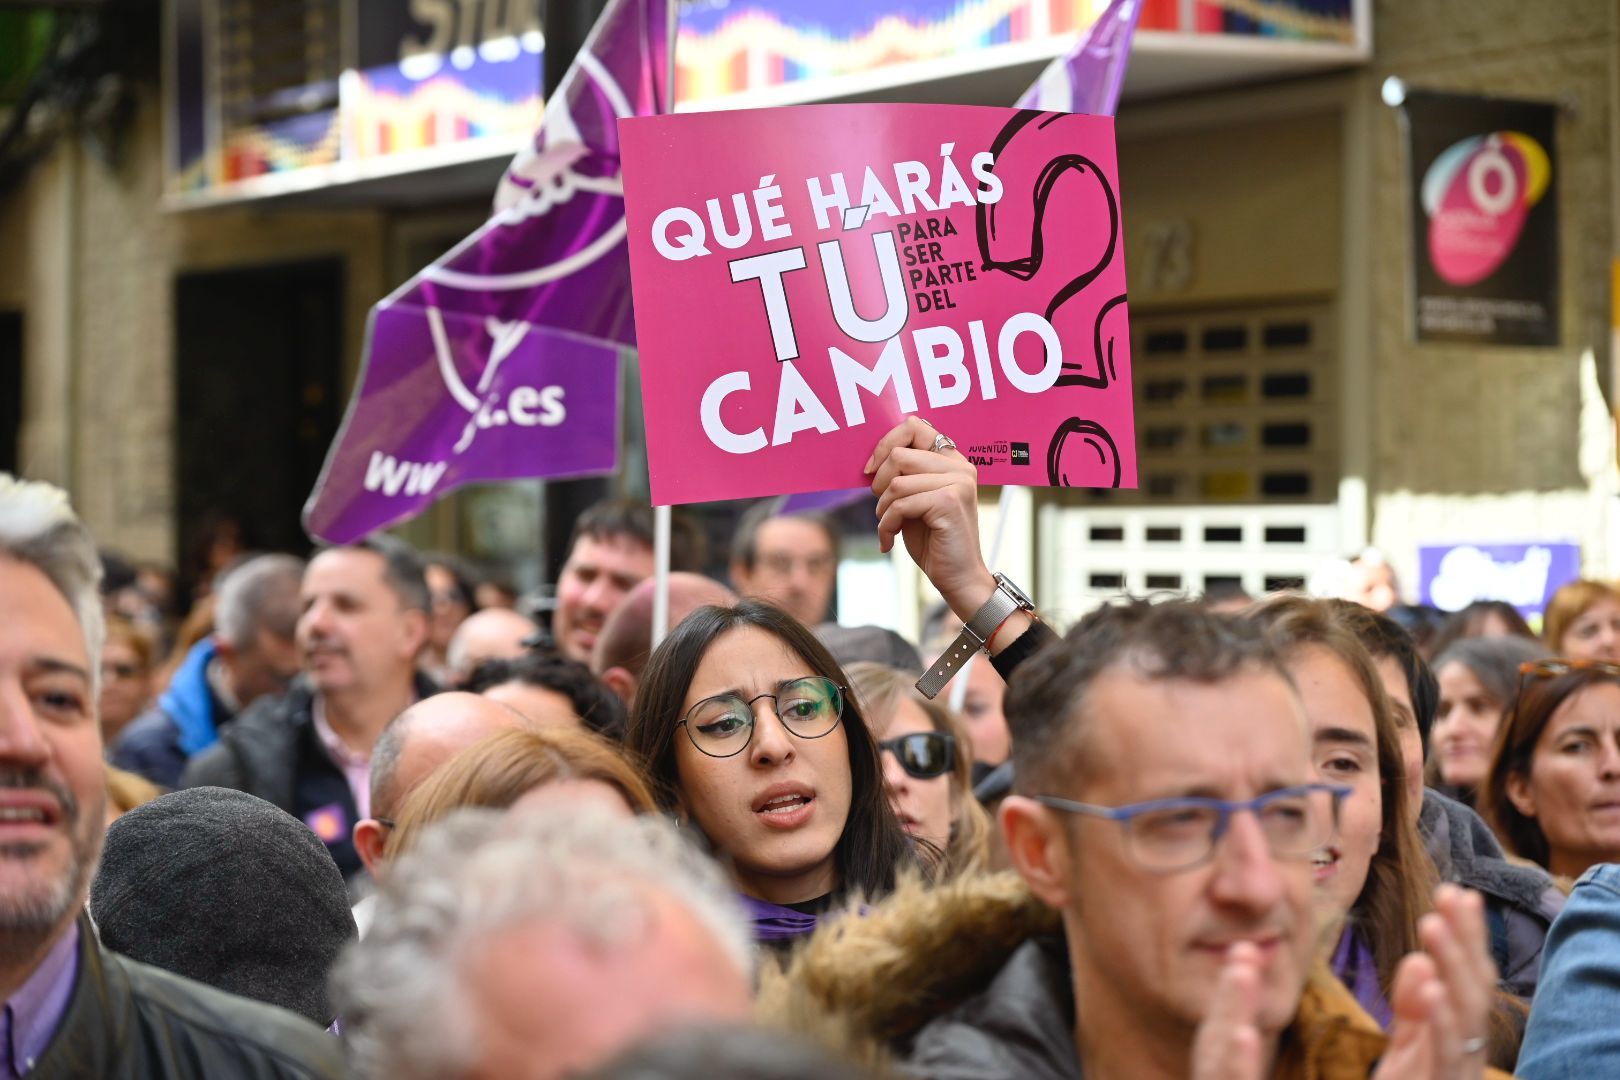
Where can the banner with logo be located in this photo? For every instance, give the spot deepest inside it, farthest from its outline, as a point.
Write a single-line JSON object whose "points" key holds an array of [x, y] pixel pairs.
{"points": [[500, 360], [1484, 193], [1452, 576], [804, 277]]}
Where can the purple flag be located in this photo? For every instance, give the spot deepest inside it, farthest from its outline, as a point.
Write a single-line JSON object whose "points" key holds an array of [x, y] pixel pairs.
{"points": [[1089, 78], [500, 360]]}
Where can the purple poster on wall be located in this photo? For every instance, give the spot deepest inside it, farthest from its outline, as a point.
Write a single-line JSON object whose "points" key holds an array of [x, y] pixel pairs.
{"points": [[1452, 576]]}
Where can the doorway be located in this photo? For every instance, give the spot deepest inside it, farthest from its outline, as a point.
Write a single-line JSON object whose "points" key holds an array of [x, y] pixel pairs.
{"points": [[11, 390], [258, 363]]}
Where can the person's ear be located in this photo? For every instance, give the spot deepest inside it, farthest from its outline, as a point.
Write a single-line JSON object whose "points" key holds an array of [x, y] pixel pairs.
{"points": [[414, 632], [370, 837], [739, 575], [1520, 795], [1038, 848], [621, 682]]}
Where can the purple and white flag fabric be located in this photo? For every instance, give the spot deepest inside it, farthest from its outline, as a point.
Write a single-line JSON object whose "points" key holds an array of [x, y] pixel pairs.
{"points": [[501, 360], [1089, 78]]}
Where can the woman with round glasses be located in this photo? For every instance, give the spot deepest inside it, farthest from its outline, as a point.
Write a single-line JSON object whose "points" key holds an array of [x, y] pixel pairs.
{"points": [[927, 765], [1553, 790], [748, 731]]}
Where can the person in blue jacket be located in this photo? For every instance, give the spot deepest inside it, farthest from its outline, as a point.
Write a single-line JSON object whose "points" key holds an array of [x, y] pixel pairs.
{"points": [[250, 655]]}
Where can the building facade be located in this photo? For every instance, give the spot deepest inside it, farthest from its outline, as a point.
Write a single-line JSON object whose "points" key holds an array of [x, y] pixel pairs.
{"points": [[1285, 413]]}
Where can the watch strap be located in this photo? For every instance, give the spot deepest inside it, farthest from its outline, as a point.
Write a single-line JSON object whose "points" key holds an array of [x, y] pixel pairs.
{"points": [[974, 634]]}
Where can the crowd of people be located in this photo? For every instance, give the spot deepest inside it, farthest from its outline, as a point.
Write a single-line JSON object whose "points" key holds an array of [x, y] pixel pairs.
{"points": [[370, 820]]}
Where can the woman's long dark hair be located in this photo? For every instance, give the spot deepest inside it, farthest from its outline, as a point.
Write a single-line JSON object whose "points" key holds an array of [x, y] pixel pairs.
{"points": [[873, 847]]}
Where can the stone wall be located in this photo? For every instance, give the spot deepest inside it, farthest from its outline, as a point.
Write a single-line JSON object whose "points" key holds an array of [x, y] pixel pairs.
{"points": [[1487, 443], [91, 261]]}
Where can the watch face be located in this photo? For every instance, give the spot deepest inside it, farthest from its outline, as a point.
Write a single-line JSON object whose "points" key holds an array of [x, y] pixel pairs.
{"points": [[1015, 592]]}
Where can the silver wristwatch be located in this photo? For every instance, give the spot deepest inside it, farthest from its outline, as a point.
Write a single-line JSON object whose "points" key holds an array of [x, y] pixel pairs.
{"points": [[976, 634]]}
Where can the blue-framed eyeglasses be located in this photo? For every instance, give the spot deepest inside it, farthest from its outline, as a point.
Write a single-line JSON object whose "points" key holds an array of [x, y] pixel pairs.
{"points": [[1166, 835]]}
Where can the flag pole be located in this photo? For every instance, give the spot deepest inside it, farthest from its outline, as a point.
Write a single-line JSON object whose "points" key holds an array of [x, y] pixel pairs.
{"points": [[661, 514]]}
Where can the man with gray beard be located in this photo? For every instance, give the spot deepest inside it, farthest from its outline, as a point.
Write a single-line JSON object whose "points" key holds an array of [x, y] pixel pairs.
{"points": [[71, 1007]]}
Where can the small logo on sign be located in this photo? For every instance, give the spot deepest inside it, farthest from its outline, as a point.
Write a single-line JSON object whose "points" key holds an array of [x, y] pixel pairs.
{"points": [[1020, 453]]}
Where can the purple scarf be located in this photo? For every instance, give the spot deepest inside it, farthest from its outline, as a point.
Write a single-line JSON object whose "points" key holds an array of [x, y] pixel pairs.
{"points": [[773, 922], [1355, 966]]}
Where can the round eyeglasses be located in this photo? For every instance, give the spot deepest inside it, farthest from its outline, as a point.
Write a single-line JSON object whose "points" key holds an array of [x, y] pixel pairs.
{"points": [[924, 754], [722, 726], [1166, 835]]}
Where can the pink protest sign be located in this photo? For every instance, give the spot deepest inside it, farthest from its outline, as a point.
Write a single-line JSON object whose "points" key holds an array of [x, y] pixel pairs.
{"points": [[804, 277]]}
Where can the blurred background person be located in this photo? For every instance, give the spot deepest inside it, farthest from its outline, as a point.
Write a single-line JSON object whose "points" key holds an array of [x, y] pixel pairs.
{"points": [[491, 592], [610, 551], [124, 595], [495, 634], [1553, 790], [524, 768], [126, 791], [450, 592], [251, 654], [1583, 621], [126, 676], [790, 560], [621, 651], [1479, 679], [363, 622], [1423, 622], [927, 766], [1482, 618], [552, 691], [1372, 581]]}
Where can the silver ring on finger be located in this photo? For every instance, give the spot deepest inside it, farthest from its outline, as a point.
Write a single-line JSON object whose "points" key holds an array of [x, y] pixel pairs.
{"points": [[942, 443], [1476, 1045]]}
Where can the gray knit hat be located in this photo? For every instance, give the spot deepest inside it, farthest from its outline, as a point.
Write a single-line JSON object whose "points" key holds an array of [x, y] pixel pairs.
{"points": [[226, 889]]}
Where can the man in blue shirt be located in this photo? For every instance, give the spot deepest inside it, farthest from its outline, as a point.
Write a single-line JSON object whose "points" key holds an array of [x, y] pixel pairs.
{"points": [[1572, 1030]]}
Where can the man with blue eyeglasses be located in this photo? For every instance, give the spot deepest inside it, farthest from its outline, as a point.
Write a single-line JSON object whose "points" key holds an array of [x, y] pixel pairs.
{"points": [[1163, 821]]}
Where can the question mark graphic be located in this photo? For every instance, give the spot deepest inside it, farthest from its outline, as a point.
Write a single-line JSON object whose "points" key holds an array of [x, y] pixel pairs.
{"points": [[1031, 157], [1082, 454]]}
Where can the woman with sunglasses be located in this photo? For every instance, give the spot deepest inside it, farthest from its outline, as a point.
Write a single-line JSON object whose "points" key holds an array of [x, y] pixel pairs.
{"points": [[750, 735], [927, 765], [1553, 790]]}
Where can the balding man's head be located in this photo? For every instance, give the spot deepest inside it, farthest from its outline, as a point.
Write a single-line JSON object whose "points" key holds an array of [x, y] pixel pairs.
{"points": [[626, 639], [494, 634], [413, 746]]}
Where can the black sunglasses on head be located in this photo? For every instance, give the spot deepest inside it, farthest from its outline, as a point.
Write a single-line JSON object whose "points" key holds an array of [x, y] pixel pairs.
{"points": [[924, 755]]}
